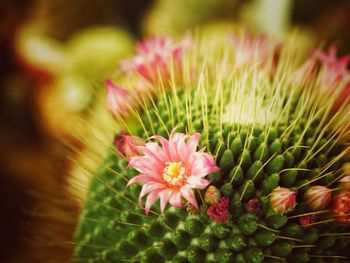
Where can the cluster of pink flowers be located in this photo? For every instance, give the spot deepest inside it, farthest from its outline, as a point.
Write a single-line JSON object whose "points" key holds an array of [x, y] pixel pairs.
{"points": [[283, 200], [170, 170]]}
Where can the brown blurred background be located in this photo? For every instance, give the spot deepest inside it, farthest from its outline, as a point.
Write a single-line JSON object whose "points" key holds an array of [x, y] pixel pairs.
{"points": [[37, 214]]}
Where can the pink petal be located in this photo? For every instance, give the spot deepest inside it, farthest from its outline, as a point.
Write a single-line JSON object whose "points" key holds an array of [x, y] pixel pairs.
{"points": [[188, 194], [174, 142], [153, 150], [151, 198], [197, 182], [141, 179], [193, 141], [182, 150], [164, 143], [149, 187], [144, 71], [143, 165], [202, 164], [175, 199], [164, 198]]}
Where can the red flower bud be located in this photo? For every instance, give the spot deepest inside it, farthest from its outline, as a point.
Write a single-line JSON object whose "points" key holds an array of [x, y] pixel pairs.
{"points": [[341, 208], [219, 212], [306, 221], [253, 206]]}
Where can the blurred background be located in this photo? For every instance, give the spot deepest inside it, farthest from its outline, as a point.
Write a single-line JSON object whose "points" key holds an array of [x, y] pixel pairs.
{"points": [[54, 57]]}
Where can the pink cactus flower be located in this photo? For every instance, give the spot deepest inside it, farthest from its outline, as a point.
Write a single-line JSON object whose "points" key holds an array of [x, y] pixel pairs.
{"points": [[219, 212], [127, 146], [307, 221], [341, 208], [334, 77], [282, 200], [120, 101], [249, 49], [333, 70], [318, 197], [170, 171], [253, 206], [154, 58]]}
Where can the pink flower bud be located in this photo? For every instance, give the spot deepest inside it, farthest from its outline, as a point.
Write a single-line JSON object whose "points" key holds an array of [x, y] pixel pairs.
{"points": [[253, 206], [307, 221], [318, 197], [119, 100], [341, 208], [282, 200], [219, 212], [127, 146], [212, 195]]}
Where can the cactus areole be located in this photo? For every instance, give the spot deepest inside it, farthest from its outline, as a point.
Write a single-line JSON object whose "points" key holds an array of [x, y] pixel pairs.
{"points": [[221, 161]]}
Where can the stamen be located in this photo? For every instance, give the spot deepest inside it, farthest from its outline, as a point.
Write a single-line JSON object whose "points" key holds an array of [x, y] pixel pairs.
{"points": [[174, 173]]}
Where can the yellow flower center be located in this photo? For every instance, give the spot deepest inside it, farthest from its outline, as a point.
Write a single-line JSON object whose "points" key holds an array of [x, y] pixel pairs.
{"points": [[174, 173]]}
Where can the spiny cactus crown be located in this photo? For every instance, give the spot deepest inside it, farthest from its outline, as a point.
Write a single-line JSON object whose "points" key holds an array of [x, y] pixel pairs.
{"points": [[263, 183]]}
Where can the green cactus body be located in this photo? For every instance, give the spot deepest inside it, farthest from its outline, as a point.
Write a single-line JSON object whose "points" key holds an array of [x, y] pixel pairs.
{"points": [[287, 140]]}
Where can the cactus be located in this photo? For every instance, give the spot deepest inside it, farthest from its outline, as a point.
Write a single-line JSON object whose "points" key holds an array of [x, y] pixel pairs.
{"points": [[269, 137]]}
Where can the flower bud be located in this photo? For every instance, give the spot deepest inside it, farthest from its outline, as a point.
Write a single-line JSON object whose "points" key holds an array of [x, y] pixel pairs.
{"points": [[282, 200], [191, 210], [127, 146], [212, 195], [253, 205], [318, 197], [119, 100], [307, 221], [219, 212], [341, 208]]}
